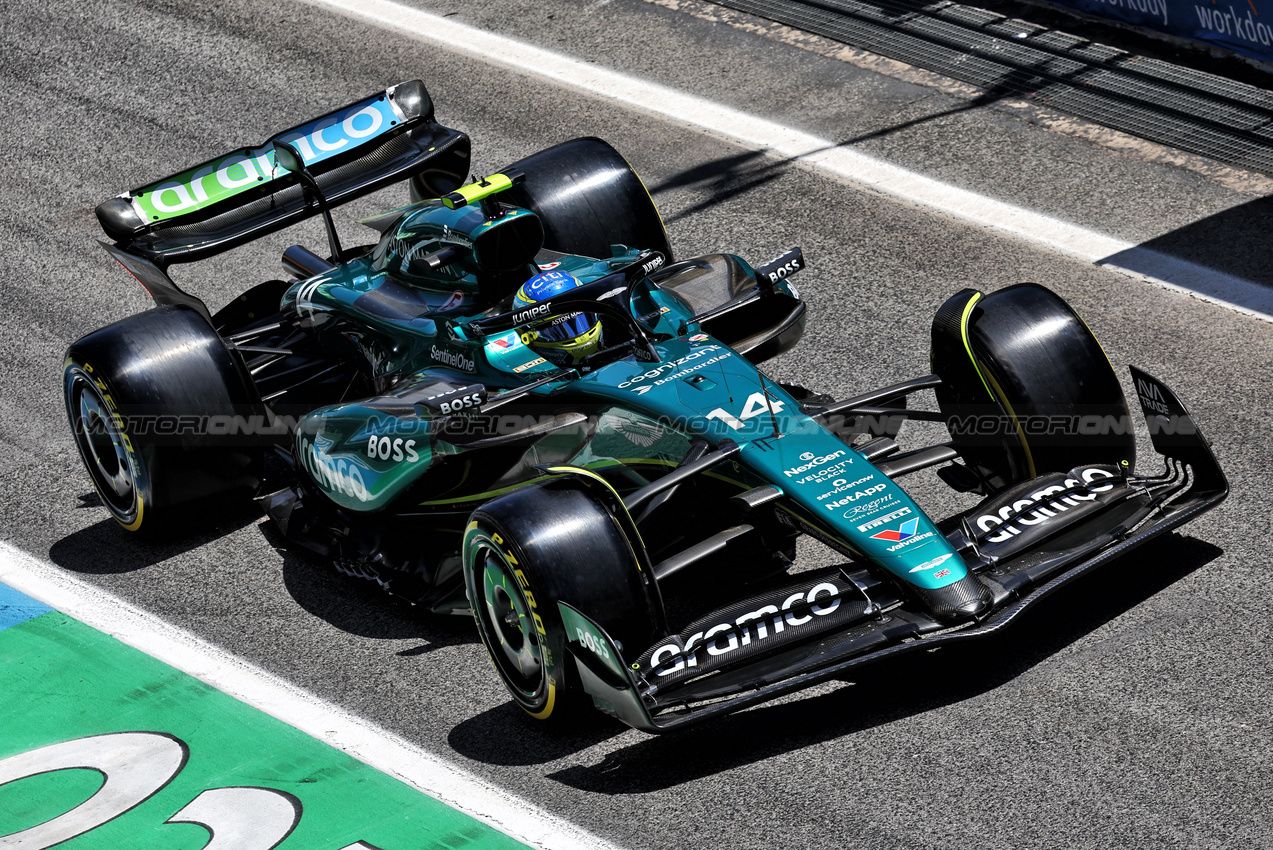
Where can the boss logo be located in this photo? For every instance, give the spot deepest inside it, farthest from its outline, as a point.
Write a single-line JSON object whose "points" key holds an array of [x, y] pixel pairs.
{"points": [[397, 449], [784, 270], [782, 266], [460, 404]]}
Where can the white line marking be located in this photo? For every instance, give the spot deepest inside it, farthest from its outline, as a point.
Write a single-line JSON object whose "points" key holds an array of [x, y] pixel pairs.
{"points": [[752, 131], [329, 723]]}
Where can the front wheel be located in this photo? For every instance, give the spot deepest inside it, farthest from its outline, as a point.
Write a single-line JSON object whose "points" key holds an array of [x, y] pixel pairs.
{"points": [[527, 551], [1026, 388]]}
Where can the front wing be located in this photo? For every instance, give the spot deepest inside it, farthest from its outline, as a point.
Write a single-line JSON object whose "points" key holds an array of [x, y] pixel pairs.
{"points": [[831, 621]]}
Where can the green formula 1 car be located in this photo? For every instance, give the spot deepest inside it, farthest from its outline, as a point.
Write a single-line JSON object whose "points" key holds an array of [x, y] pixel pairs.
{"points": [[517, 402]]}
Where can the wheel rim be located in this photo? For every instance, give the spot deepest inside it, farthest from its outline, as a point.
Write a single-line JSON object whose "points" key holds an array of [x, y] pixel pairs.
{"points": [[508, 624], [101, 445]]}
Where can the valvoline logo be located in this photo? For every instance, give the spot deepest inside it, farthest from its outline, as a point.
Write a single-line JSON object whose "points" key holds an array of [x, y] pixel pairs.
{"points": [[903, 532]]}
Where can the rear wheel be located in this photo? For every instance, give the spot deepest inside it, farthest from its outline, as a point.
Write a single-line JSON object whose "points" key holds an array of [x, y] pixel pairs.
{"points": [[527, 551], [158, 407], [1026, 388], [589, 198]]}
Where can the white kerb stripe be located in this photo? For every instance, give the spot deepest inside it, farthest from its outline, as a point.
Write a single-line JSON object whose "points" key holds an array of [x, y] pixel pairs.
{"points": [[329, 723], [820, 154]]}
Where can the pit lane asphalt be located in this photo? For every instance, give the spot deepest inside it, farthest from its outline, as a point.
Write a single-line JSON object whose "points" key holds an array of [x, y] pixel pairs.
{"points": [[1132, 710]]}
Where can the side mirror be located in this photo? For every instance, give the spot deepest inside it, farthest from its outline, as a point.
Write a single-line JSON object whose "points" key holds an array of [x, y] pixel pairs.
{"points": [[289, 157]]}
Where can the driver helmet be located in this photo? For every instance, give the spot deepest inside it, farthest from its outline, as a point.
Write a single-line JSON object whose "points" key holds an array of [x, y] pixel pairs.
{"points": [[566, 339]]}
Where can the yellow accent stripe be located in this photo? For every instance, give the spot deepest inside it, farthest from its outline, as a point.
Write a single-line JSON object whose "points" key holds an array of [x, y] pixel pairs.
{"points": [[136, 524], [1016, 420], [963, 332], [1000, 396], [474, 192], [579, 470], [548, 709], [603, 464]]}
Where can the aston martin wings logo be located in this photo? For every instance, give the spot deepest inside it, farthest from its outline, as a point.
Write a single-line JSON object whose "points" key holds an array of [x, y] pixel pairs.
{"points": [[643, 434]]}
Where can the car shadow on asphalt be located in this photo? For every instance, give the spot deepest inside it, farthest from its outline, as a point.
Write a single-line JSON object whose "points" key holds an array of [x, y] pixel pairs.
{"points": [[106, 549], [359, 607], [881, 694]]}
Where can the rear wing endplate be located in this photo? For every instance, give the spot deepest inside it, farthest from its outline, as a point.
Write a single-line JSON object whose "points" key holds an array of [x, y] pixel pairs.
{"points": [[243, 195]]}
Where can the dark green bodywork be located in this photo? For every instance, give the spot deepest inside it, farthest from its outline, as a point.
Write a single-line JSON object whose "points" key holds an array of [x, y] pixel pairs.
{"points": [[374, 455]]}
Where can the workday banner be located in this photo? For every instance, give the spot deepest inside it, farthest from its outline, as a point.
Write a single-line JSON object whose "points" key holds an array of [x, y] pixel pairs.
{"points": [[1243, 26]]}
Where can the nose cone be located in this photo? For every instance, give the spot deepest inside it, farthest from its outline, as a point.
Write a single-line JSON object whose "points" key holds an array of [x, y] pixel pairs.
{"points": [[966, 599]]}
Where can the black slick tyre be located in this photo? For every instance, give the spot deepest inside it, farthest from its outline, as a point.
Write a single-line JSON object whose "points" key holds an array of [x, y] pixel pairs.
{"points": [[1026, 388], [525, 552], [588, 198], [157, 407]]}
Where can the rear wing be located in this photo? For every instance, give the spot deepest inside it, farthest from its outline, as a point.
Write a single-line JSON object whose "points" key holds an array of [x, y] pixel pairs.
{"points": [[243, 195]]}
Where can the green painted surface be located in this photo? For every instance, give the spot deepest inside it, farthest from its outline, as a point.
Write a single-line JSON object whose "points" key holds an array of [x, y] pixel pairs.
{"points": [[61, 680]]}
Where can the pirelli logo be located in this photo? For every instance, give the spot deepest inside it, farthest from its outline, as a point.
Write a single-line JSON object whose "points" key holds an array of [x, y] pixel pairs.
{"points": [[887, 518]]}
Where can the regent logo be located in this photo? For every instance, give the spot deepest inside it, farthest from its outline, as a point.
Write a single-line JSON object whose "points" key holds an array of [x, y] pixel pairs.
{"points": [[821, 600], [867, 508], [812, 462], [1044, 504], [395, 449], [530, 313], [454, 359]]}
